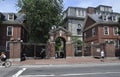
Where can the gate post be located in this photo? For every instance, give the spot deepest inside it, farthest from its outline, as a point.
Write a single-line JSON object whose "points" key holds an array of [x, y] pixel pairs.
{"points": [[15, 50], [69, 49], [52, 49]]}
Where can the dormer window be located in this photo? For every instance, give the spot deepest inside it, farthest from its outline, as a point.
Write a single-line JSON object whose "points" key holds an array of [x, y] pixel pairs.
{"points": [[104, 18], [10, 16], [114, 18], [80, 12]]}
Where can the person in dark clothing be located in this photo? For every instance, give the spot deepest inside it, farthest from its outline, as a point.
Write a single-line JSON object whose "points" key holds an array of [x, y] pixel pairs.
{"points": [[3, 56]]}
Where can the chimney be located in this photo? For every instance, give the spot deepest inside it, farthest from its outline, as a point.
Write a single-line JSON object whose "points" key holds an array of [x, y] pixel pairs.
{"points": [[90, 10]]}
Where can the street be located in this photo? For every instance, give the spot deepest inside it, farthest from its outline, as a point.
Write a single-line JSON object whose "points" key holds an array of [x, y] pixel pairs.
{"points": [[81, 70]]}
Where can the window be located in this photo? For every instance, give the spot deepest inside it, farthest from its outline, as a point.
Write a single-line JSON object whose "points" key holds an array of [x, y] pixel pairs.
{"points": [[9, 31], [106, 30], [79, 31], [105, 18], [79, 47], [79, 26], [84, 35], [10, 16], [114, 18], [115, 30], [101, 8], [116, 43], [93, 32], [81, 12], [7, 46]]}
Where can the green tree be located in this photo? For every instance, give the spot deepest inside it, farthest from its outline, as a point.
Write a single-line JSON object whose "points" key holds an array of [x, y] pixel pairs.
{"points": [[41, 16]]}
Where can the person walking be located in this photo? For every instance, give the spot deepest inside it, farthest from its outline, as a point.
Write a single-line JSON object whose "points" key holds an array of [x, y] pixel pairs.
{"points": [[102, 55]]}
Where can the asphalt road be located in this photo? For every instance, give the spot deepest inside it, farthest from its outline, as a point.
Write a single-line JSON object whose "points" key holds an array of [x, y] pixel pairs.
{"points": [[83, 70]]}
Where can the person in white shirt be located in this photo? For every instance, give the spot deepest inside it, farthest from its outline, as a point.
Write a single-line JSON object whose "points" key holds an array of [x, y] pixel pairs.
{"points": [[3, 56], [102, 56]]}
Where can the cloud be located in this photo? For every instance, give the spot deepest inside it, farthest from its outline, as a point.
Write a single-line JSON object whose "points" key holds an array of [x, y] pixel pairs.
{"points": [[93, 3]]}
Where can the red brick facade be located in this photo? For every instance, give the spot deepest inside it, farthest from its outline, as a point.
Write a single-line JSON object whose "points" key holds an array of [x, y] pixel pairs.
{"points": [[97, 42], [12, 33], [19, 35]]}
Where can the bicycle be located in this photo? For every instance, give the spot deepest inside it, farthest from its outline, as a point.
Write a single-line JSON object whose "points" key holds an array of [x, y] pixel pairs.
{"points": [[6, 63]]}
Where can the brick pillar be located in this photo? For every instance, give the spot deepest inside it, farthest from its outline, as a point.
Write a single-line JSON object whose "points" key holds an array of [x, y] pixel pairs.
{"points": [[15, 50], [69, 50], [52, 49], [110, 50]]}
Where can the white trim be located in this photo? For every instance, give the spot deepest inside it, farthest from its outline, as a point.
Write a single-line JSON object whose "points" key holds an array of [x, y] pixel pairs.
{"points": [[9, 16], [7, 42], [93, 32], [106, 30], [114, 31], [7, 30]]}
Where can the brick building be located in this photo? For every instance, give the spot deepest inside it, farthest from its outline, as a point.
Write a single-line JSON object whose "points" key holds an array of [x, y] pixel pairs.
{"points": [[74, 20], [12, 29], [100, 32]]}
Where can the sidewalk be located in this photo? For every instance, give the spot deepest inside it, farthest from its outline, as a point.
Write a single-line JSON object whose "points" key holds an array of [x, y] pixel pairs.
{"points": [[71, 60]]}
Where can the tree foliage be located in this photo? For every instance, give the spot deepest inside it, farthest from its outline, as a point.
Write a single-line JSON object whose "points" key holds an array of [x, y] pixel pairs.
{"points": [[41, 15]]}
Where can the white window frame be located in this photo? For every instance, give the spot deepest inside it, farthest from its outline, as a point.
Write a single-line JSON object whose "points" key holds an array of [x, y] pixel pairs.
{"points": [[79, 31], [93, 32], [7, 44], [11, 18], [101, 8], [85, 35], [105, 18], [11, 30], [115, 30], [79, 26], [113, 18], [116, 43], [80, 12], [107, 30]]}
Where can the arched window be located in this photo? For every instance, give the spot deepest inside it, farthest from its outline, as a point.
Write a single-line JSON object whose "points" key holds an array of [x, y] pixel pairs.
{"points": [[79, 31]]}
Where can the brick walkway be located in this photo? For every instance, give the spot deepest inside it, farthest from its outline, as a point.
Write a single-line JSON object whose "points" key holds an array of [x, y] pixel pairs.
{"points": [[75, 60]]}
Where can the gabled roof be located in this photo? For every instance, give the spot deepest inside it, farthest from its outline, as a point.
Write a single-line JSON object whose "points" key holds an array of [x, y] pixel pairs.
{"points": [[19, 18], [58, 29], [98, 20]]}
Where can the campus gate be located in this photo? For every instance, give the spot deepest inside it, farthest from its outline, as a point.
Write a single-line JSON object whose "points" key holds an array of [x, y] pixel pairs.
{"points": [[65, 36]]}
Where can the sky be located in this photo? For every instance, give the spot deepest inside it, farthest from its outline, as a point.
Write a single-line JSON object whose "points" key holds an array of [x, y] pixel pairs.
{"points": [[10, 5]]}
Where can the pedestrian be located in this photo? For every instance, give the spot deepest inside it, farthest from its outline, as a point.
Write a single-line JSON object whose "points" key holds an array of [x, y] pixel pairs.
{"points": [[3, 56], [102, 55], [23, 58]]}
